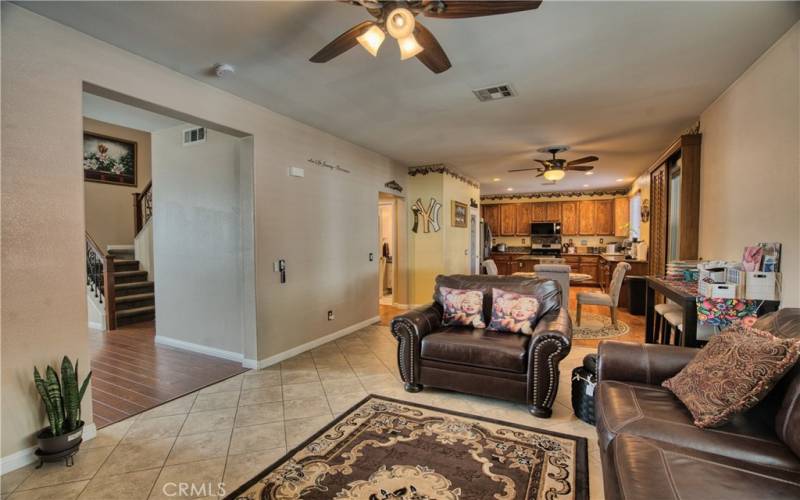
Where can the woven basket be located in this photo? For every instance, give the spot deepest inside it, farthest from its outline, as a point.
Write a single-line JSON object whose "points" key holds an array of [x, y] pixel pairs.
{"points": [[584, 380]]}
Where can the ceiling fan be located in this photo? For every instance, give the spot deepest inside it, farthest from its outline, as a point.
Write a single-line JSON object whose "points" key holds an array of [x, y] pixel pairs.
{"points": [[398, 18], [554, 169]]}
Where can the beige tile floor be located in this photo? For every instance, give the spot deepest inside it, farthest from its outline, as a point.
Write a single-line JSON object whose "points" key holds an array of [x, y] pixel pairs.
{"points": [[230, 431]]}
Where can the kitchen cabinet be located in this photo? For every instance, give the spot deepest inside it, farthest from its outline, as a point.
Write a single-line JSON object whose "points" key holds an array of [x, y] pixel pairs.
{"points": [[622, 217], [606, 268], [569, 218], [604, 217], [586, 218], [508, 219], [524, 219], [589, 265], [553, 211], [503, 263], [491, 217], [540, 212]]}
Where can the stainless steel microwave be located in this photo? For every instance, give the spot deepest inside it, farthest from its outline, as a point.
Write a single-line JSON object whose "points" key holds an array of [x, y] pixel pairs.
{"points": [[545, 229]]}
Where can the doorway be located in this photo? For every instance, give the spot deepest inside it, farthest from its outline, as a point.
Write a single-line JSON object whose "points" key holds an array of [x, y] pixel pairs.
{"points": [[387, 248]]}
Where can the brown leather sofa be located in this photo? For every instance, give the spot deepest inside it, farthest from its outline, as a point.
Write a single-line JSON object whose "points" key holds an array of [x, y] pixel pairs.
{"points": [[650, 449], [510, 366]]}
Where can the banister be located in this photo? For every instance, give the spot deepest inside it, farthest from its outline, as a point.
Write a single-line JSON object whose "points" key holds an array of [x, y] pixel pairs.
{"points": [[142, 207], [100, 278]]}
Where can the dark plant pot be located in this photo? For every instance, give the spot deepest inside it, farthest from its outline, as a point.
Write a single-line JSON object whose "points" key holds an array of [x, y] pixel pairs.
{"points": [[52, 445]]}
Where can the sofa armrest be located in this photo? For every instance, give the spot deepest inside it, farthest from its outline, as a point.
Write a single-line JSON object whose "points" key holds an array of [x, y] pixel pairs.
{"points": [[409, 329], [643, 363], [550, 343]]}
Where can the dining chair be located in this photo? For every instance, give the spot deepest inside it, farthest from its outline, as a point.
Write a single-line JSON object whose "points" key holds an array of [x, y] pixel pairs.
{"points": [[610, 299], [552, 260], [490, 266], [560, 274]]}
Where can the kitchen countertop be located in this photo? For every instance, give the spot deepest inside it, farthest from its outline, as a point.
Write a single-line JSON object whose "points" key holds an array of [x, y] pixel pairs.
{"points": [[608, 257]]}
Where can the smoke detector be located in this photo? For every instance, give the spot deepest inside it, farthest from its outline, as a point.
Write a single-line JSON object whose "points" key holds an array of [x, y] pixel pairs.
{"points": [[223, 70]]}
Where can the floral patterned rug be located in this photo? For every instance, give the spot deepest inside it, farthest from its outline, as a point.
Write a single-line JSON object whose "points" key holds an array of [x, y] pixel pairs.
{"points": [[597, 326], [387, 449]]}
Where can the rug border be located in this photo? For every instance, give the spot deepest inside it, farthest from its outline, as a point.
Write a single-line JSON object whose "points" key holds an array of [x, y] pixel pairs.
{"points": [[581, 448]]}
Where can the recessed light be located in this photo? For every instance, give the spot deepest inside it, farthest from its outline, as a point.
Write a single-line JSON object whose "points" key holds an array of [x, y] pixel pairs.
{"points": [[496, 179], [620, 180], [585, 185], [509, 189], [589, 173]]}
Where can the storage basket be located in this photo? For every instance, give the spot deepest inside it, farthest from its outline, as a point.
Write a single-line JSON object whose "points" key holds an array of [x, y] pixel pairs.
{"points": [[584, 381]]}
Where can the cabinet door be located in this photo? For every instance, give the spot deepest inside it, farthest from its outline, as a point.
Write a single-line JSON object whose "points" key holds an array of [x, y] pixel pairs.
{"points": [[524, 219], [586, 216], [573, 262], [491, 218], [591, 270], [622, 217], [604, 217], [554, 211], [569, 218], [508, 219], [539, 212]]}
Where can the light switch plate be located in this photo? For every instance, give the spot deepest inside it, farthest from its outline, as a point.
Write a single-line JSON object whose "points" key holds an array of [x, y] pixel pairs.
{"points": [[296, 172]]}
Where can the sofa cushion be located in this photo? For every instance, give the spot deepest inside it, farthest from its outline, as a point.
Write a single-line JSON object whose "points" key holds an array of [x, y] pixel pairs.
{"points": [[654, 412], [462, 307], [652, 470], [478, 347], [513, 312], [732, 373]]}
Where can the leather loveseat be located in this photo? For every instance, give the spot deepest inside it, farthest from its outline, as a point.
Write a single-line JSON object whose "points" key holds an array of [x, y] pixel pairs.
{"points": [[650, 449], [510, 366]]}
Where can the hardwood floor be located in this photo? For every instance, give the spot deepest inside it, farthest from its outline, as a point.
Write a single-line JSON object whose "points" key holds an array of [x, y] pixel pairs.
{"points": [[131, 373], [636, 323]]}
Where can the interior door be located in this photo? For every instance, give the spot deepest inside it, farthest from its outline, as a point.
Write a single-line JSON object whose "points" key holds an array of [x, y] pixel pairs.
{"points": [[474, 242]]}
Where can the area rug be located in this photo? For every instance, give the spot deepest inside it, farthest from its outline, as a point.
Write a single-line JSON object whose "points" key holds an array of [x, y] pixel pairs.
{"points": [[384, 449], [597, 326]]}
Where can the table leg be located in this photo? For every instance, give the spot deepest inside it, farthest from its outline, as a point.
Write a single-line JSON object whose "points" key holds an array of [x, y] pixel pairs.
{"points": [[650, 303], [689, 337]]}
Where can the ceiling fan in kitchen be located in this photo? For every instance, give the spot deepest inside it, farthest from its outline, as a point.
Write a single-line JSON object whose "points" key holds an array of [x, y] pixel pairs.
{"points": [[554, 169], [398, 18]]}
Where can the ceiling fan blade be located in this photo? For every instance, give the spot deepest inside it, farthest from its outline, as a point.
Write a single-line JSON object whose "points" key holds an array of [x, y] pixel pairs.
{"points": [[580, 168], [524, 169], [433, 56], [585, 159], [342, 43], [543, 162], [454, 9]]}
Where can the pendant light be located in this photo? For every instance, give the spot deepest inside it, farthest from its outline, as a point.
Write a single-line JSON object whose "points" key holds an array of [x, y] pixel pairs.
{"points": [[554, 175]]}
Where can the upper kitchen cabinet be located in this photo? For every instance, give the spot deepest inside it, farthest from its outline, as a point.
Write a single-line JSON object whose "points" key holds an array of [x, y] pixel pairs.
{"points": [[524, 219], [553, 211], [569, 218], [508, 219], [622, 217], [540, 212], [586, 218], [491, 217], [604, 217]]}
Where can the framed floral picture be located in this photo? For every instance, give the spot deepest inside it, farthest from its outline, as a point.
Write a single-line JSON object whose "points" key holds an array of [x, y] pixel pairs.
{"points": [[459, 214], [109, 160]]}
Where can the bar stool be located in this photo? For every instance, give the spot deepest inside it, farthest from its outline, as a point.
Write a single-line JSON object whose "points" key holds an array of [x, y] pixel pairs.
{"points": [[674, 323], [660, 324]]}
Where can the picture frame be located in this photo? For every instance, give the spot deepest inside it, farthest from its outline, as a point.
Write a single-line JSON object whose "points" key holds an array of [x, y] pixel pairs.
{"points": [[109, 160], [459, 214]]}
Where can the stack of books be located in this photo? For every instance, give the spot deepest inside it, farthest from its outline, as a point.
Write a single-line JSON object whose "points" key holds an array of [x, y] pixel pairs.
{"points": [[676, 270]]}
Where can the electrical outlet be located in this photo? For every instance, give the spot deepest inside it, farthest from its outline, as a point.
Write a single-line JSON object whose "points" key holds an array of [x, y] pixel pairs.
{"points": [[523, 241], [331, 316]]}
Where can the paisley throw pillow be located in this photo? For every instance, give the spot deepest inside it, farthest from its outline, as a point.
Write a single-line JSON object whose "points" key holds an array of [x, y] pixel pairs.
{"points": [[513, 312], [462, 307]]}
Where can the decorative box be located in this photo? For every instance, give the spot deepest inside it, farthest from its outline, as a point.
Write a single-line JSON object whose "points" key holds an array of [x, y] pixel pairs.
{"points": [[760, 285], [708, 288]]}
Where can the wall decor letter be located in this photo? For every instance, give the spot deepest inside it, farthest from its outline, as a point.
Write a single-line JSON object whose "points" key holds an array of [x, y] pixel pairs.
{"points": [[430, 215]]}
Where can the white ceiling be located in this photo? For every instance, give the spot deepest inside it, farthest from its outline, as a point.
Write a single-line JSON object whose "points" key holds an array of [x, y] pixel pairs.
{"points": [[124, 115], [619, 80]]}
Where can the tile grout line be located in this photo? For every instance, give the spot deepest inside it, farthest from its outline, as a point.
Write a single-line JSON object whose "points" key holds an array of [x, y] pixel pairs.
{"points": [[230, 440]]}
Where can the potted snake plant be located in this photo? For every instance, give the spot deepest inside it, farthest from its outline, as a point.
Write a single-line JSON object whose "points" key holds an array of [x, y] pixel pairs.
{"points": [[62, 402]]}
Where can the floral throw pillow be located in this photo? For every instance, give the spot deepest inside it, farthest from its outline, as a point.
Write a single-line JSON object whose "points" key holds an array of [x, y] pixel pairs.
{"points": [[732, 373], [462, 307], [513, 312]]}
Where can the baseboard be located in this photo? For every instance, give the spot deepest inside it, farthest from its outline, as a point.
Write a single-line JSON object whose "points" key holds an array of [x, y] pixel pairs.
{"points": [[191, 346], [263, 363], [401, 306], [28, 456], [250, 363]]}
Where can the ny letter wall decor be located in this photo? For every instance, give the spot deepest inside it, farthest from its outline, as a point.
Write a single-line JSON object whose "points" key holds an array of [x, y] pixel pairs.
{"points": [[429, 215]]}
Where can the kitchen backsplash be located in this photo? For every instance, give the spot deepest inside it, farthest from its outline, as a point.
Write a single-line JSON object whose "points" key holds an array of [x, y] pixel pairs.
{"points": [[590, 241]]}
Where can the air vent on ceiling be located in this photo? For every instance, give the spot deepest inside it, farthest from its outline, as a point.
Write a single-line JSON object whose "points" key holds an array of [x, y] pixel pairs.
{"points": [[194, 136], [494, 92]]}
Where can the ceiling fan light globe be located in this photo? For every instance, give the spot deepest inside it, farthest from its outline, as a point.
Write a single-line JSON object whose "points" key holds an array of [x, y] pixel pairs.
{"points": [[372, 39], [400, 23], [409, 47], [554, 175]]}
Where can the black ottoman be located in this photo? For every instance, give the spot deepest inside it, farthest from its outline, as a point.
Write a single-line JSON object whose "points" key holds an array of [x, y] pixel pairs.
{"points": [[584, 380]]}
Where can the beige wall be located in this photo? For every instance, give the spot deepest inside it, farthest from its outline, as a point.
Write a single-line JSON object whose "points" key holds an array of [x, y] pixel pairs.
{"points": [[109, 207], [456, 239], [750, 167], [325, 225]]}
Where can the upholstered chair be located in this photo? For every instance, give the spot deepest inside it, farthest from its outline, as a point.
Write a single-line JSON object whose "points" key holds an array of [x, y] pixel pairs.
{"points": [[490, 266], [558, 273], [610, 299]]}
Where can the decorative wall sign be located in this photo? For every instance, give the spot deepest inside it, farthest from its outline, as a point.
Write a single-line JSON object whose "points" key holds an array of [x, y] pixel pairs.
{"points": [[323, 163], [394, 186], [430, 215], [109, 160], [473, 203], [557, 194], [458, 214], [645, 211], [441, 169]]}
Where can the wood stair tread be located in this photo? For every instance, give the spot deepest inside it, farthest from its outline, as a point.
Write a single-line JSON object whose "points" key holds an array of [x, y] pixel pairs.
{"points": [[135, 284], [129, 273], [136, 311], [135, 298]]}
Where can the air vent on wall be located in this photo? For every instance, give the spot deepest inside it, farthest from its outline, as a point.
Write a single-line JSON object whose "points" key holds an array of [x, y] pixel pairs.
{"points": [[194, 136], [495, 92]]}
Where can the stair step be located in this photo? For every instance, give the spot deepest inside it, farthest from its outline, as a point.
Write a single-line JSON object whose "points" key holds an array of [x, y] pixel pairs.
{"points": [[138, 311], [135, 297], [135, 301], [133, 288], [129, 276], [126, 265]]}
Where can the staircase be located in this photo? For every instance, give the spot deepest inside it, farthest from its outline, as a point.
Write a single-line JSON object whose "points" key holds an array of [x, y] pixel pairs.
{"points": [[134, 299]]}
